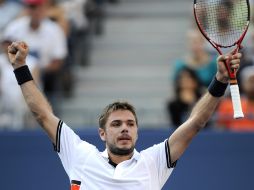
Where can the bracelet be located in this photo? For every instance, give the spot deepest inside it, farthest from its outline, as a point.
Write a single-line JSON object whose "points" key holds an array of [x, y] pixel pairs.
{"points": [[217, 88], [23, 74]]}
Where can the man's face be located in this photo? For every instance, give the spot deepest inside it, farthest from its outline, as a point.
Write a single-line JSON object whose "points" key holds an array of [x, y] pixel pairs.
{"points": [[120, 133], [36, 12]]}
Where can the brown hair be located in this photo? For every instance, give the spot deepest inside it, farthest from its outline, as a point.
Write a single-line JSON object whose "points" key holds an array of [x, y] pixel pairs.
{"points": [[118, 105]]}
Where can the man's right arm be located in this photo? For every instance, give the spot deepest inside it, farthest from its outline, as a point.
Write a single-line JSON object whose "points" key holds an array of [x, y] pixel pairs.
{"points": [[35, 100], [40, 108]]}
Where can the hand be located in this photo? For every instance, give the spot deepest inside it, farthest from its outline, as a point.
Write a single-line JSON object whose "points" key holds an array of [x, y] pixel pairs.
{"points": [[17, 53], [222, 72]]}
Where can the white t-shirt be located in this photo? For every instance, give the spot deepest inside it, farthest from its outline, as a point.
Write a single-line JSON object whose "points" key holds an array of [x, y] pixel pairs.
{"points": [[46, 43], [12, 104], [89, 169]]}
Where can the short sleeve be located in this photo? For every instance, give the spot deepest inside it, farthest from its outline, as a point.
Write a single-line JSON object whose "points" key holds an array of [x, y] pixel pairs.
{"points": [[159, 157], [69, 145]]}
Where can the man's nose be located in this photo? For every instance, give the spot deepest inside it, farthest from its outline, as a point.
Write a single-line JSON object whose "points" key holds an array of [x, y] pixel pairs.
{"points": [[125, 128]]}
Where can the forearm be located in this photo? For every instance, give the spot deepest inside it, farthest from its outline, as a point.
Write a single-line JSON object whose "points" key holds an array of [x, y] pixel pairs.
{"points": [[199, 116], [183, 135], [203, 110], [40, 108], [36, 102]]}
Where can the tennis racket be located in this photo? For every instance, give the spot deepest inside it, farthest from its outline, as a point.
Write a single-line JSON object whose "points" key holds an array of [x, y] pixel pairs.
{"points": [[224, 24]]}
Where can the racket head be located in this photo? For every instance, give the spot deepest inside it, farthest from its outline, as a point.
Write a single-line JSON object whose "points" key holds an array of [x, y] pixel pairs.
{"points": [[223, 23]]}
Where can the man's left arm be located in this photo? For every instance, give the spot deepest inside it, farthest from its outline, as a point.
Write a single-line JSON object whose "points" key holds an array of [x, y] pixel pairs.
{"points": [[202, 111]]}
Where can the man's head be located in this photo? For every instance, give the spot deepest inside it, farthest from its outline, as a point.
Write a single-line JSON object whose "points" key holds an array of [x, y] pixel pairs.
{"points": [[118, 128], [36, 10], [196, 42]]}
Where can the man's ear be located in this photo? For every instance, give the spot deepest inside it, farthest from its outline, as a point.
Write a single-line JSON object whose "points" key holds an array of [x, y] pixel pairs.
{"points": [[102, 134]]}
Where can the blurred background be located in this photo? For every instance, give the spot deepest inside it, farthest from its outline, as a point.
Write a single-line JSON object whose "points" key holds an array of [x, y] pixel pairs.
{"points": [[85, 54]]}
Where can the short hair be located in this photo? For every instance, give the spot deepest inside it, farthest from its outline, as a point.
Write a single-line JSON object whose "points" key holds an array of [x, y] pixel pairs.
{"points": [[118, 105]]}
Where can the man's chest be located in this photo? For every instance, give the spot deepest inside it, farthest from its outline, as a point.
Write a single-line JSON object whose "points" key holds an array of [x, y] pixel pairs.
{"points": [[99, 174]]}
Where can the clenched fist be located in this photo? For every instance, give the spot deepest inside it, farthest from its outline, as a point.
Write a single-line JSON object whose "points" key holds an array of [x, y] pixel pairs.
{"points": [[17, 53]]}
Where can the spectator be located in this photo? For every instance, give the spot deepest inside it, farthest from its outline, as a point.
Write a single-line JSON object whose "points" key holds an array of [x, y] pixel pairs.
{"points": [[198, 59], [79, 34], [47, 42], [188, 90], [224, 113], [57, 14], [54, 12], [13, 110]]}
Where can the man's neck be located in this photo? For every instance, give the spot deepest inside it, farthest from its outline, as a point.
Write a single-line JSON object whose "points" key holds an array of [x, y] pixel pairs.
{"points": [[119, 158]]}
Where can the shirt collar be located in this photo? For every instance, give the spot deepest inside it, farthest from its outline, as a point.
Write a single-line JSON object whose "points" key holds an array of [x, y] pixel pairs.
{"points": [[135, 156]]}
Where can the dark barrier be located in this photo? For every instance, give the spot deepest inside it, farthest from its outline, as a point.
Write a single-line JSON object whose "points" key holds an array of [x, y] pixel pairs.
{"points": [[214, 161]]}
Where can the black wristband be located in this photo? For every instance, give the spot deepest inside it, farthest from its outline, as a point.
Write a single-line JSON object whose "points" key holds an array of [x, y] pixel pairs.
{"points": [[23, 74], [217, 88]]}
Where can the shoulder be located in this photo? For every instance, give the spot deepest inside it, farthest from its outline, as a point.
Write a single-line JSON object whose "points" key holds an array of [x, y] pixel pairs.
{"points": [[152, 149], [19, 21], [51, 25], [16, 27], [180, 62]]}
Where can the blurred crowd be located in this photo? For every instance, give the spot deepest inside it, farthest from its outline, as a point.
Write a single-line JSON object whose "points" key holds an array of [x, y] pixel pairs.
{"points": [[58, 33], [192, 74]]}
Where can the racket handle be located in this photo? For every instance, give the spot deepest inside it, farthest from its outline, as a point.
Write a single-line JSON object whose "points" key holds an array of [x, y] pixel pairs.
{"points": [[236, 101]]}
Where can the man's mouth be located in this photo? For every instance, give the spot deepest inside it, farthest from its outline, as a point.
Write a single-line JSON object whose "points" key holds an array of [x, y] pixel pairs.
{"points": [[124, 138]]}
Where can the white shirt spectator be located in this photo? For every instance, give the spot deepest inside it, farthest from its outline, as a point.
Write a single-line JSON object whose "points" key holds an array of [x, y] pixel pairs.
{"points": [[47, 43], [13, 107]]}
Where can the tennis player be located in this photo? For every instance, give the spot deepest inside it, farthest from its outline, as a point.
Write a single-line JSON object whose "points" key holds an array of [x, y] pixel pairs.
{"points": [[120, 166]]}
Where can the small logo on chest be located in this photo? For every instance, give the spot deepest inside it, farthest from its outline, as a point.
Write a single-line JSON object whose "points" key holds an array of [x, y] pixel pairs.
{"points": [[75, 185]]}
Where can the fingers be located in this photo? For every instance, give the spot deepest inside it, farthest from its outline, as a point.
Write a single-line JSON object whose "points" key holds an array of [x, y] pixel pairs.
{"points": [[228, 66], [17, 46], [233, 60], [17, 53], [222, 58], [235, 64]]}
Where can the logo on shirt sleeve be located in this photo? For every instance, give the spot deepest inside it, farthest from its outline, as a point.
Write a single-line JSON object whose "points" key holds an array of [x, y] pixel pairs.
{"points": [[75, 185]]}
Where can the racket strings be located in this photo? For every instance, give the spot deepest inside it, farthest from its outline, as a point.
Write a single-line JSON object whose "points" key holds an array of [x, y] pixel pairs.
{"points": [[223, 21]]}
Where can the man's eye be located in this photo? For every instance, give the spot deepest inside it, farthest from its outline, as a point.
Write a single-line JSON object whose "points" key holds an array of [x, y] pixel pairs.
{"points": [[131, 124], [115, 124]]}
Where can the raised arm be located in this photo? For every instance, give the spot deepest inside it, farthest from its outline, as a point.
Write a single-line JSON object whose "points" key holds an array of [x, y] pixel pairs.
{"points": [[202, 111], [35, 100]]}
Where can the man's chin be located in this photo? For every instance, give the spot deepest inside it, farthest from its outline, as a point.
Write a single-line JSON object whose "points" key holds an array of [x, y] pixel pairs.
{"points": [[122, 151]]}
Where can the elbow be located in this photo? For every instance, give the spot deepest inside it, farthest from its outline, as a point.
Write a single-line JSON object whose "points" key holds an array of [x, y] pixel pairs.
{"points": [[42, 116], [201, 125], [199, 122]]}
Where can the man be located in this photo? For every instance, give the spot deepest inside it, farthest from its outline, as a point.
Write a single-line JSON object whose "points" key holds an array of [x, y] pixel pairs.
{"points": [[46, 40], [224, 112], [120, 166]]}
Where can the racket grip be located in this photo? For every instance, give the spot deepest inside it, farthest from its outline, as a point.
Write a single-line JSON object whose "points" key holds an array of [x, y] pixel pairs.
{"points": [[236, 101]]}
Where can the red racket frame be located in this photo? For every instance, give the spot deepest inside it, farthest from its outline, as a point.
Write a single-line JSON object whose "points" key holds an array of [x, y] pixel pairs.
{"points": [[232, 73]]}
